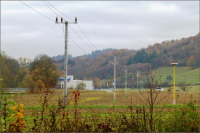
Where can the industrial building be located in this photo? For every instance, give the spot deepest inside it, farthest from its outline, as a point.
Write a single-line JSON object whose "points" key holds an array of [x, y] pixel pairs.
{"points": [[73, 83]]}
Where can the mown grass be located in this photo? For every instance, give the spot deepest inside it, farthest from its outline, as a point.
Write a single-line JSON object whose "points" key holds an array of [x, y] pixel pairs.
{"points": [[181, 73]]}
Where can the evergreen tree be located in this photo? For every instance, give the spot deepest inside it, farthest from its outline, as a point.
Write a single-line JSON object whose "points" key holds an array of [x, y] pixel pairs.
{"points": [[165, 51], [130, 61]]}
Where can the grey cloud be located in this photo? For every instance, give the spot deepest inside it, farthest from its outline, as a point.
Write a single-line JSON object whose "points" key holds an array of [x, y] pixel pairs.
{"points": [[129, 24]]}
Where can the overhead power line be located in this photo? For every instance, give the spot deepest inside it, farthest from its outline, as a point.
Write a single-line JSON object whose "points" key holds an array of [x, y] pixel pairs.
{"points": [[62, 29], [37, 11], [86, 36], [55, 13], [59, 25], [81, 38], [74, 41], [50, 19], [77, 45], [50, 9], [41, 13], [70, 26], [58, 10], [72, 20]]}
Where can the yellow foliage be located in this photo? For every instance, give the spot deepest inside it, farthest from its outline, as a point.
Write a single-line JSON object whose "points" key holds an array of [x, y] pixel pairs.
{"points": [[14, 108], [21, 106], [190, 62], [18, 124]]}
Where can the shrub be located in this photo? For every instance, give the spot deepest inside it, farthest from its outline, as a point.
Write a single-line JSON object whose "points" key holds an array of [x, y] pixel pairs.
{"points": [[5, 110], [80, 86], [17, 125]]}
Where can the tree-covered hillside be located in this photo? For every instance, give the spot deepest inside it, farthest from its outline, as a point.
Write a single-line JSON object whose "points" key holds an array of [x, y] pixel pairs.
{"points": [[98, 64]]}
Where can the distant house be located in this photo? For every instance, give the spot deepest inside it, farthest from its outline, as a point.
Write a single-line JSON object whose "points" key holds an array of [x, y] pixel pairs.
{"points": [[73, 83]]}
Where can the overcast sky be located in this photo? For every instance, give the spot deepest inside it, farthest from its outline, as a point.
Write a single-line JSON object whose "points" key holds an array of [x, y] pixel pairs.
{"points": [[107, 24]]}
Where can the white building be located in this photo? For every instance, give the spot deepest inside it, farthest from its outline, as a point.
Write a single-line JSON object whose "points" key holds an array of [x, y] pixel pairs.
{"points": [[73, 83]]}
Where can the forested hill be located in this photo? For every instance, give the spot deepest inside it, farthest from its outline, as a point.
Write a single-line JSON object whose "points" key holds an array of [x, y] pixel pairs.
{"points": [[96, 53], [97, 64]]}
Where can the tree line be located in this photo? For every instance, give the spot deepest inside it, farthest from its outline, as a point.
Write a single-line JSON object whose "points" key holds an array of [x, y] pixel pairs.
{"points": [[40, 73]]}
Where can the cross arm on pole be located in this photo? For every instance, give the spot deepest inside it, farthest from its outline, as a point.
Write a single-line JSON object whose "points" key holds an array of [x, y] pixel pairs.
{"points": [[75, 22]]}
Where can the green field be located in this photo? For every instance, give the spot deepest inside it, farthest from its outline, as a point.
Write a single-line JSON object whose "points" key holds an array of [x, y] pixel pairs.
{"points": [[181, 74], [96, 111]]}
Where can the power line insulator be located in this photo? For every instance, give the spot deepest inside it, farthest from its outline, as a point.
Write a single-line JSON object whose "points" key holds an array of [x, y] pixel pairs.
{"points": [[76, 20], [61, 19], [56, 19]]}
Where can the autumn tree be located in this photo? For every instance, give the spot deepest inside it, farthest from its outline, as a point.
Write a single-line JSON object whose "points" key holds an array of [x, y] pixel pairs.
{"points": [[24, 61], [9, 69], [5, 77], [85, 78], [2, 70], [108, 84], [22, 73], [190, 61], [29, 82], [44, 72], [96, 82]]}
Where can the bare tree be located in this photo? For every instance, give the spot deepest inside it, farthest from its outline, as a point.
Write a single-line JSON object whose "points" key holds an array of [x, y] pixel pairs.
{"points": [[150, 97]]}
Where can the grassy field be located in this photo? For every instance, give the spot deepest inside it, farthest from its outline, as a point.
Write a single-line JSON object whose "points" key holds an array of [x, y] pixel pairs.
{"points": [[97, 107], [101, 102], [181, 73], [104, 100]]}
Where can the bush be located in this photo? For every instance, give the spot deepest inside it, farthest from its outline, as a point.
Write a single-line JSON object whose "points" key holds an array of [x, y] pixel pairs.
{"points": [[80, 86], [165, 84], [182, 85]]}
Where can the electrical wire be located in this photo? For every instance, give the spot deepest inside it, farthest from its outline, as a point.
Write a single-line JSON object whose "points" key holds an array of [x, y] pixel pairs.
{"points": [[41, 13], [50, 9], [58, 10], [85, 35], [50, 19], [59, 25], [78, 46], [77, 24], [62, 29], [74, 41], [37, 11], [81, 38], [56, 15]]}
